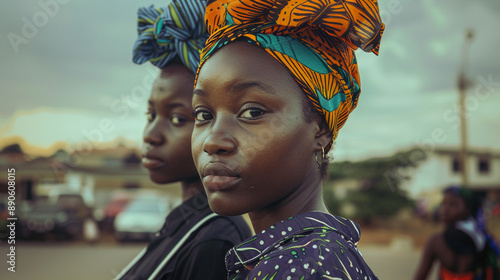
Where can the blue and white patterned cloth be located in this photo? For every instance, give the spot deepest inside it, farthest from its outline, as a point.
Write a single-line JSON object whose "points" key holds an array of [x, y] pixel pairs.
{"points": [[177, 30]]}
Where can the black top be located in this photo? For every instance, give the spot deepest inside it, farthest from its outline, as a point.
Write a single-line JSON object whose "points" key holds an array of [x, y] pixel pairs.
{"points": [[465, 237], [459, 242], [202, 255]]}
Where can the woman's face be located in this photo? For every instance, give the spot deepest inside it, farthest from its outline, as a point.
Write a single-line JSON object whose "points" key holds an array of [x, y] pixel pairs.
{"points": [[251, 144], [166, 149], [453, 209]]}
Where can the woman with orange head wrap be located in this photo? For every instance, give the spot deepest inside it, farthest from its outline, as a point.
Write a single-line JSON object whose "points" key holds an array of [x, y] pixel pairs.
{"points": [[276, 82]]}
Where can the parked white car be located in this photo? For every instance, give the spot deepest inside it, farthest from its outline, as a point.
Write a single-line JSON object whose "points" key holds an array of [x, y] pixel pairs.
{"points": [[141, 219]]}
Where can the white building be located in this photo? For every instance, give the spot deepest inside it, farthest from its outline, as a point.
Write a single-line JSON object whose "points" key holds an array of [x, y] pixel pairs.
{"points": [[442, 169]]}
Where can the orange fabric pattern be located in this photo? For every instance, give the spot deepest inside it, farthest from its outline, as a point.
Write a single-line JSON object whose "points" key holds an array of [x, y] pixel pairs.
{"points": [[314, 39]]}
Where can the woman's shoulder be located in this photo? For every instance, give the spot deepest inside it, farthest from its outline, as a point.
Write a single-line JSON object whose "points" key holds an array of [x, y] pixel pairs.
{"points": [[322, 246], [318, 259], [436, 239], [323, 224], [435, 243], [233, 229]]}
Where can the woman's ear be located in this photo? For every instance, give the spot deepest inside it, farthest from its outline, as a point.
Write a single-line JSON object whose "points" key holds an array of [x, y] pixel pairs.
{"points": [[323, 134]]}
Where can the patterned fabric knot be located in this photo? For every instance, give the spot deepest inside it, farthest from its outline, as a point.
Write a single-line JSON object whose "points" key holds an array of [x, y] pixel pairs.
{"points": [[164, 33]]}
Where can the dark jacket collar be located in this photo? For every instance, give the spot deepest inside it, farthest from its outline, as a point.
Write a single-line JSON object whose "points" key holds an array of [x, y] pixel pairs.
{"points": [[188, 213]]}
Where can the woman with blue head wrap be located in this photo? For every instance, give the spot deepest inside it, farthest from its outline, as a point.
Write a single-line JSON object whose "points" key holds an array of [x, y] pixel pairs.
{"points": [[193, 241], [174, 35]]}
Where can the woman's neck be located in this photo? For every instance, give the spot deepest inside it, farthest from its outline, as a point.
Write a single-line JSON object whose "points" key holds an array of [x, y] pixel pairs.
{"points": [[191, 188], [302, 200]]}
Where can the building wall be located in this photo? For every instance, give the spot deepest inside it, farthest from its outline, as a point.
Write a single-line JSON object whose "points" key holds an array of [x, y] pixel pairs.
{"points": [[437, 173], [489, 179], [429, 176]]}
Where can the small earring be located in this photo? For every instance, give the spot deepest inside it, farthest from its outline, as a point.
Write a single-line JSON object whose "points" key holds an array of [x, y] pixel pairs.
{"points": [[322, 157]]}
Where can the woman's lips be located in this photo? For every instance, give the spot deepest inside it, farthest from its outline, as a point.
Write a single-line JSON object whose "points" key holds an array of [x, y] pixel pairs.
{"points": [[219, 183], [152, 163], [217, 176]]}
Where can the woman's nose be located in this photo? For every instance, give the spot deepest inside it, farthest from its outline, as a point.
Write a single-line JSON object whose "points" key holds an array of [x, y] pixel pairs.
{"points": [[220, 140], [152, 134]]}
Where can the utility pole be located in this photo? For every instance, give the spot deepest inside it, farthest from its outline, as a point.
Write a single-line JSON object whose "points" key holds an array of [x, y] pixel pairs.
{"points": [[463, 85]]}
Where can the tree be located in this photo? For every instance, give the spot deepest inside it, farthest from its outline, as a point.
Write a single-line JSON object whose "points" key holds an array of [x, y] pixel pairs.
{"points": [[132, 159], [380, 194], [12, 149]]}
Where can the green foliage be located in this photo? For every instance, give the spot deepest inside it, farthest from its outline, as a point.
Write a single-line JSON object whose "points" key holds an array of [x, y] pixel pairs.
{"points": [[376, 199], [380, 194], [331, 201], [400, 163], [132, 159]]}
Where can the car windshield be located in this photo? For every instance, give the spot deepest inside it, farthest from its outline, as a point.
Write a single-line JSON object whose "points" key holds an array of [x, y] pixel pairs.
{"points": [[70, 200], [44, 207], [143, 207]]}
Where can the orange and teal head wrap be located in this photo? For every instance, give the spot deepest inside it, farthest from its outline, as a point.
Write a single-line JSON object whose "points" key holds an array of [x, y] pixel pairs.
{"points": [[314, 39]]}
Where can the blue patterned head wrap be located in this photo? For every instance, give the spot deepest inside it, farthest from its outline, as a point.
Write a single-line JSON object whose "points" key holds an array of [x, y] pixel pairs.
{"points": [[177, 30]]}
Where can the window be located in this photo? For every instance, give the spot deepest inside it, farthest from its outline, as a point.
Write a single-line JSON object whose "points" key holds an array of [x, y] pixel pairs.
{"points": [[455, 165], [483, 165]]}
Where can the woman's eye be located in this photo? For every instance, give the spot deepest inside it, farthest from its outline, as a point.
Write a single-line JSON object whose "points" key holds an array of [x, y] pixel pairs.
{"points": [[203, 115], [178, 120], [150, 116], [251, 113]]}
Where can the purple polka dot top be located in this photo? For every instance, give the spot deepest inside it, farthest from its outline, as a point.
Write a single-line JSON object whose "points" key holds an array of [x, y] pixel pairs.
{"points": [[313, 245]]}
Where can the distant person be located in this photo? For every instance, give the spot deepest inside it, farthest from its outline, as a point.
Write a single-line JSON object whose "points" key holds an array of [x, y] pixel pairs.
{"points": [[277, 81], [464, 250], [193, 241]]}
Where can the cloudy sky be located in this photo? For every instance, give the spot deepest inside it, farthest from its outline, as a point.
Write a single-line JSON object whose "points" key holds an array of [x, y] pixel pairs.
{"points": [[66, 75]]}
